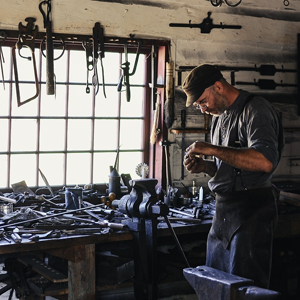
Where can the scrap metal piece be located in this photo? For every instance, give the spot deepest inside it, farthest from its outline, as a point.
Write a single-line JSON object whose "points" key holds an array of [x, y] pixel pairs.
{"points": [[47, 183]]}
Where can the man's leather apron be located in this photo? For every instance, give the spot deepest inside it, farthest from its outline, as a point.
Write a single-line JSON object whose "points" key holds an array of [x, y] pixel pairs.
{"points": [[240, 239]]}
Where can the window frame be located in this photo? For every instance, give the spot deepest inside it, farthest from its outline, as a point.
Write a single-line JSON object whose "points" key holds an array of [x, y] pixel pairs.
{"points": [[74, 42]]}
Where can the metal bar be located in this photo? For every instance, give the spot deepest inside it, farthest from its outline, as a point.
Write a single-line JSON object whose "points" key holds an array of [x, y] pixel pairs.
{"points": [[51, 216], [176, 240]]}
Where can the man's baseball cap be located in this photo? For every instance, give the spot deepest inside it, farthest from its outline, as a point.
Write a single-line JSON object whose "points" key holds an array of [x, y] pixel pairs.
{"points": [[198, 80]]}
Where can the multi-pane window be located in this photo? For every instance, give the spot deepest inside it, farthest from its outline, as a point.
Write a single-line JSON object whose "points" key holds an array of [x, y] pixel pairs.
{"points": [[72, 137]]}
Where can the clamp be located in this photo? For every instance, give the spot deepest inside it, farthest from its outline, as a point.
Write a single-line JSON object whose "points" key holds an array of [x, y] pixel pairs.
{"points": [[143, 207]]}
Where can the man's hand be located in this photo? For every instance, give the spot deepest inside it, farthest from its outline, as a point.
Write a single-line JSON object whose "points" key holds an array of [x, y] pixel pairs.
{"points": [[199, 148], [193, 164]]}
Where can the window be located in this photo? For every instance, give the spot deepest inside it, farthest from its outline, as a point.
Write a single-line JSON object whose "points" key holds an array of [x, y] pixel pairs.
{"points": [[73, 137]]}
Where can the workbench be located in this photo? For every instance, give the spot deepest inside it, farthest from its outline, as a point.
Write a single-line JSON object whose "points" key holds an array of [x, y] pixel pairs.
{"points": [[79, 251]]}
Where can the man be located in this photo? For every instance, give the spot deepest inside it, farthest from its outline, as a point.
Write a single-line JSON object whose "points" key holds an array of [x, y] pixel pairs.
{"points": [[246, 146]]}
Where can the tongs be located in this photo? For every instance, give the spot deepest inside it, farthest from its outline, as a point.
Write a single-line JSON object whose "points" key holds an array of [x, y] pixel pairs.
{"points": [[126, 67]]}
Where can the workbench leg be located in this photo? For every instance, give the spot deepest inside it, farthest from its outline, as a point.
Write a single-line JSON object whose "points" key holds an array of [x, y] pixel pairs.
{"points": [[82, 278]]}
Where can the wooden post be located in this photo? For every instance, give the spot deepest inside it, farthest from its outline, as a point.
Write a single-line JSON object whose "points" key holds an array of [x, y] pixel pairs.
{"points": [[82, 276]]}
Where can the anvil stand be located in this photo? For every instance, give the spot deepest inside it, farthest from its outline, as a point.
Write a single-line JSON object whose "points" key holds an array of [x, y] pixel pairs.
{"points": [[143, 208]]}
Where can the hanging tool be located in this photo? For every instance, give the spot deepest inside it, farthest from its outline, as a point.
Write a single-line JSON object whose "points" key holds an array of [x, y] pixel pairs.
{"points": [[98, 53], [126, 66], [166, 144], [183, 120], [153, 85], [27, 35], [219, 3], [3, 36], [87, 44], [50, 85], [206, 26], [155, 130], [169, 103]]}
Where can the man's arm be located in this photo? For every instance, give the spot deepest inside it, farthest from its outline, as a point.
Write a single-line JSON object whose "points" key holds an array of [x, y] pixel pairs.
{"points": [[244, 159]]}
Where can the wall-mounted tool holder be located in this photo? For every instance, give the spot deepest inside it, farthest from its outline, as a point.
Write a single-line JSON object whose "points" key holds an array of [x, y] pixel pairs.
{"points": [[264, 70], [206, 26]]}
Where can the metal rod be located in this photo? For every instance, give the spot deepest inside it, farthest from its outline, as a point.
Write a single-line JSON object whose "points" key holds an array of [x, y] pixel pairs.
{"points": [[50, 216], [176, 240]]}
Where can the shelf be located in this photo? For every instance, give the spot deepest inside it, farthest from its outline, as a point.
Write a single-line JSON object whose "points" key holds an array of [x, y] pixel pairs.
{"points": [[189, 130], [202, 130]]}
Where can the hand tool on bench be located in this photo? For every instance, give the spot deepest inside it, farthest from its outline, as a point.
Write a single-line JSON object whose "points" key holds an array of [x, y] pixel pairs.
{"points": [[3, 236], [6, 199], [49, 216], [103, 223], [27, 35], [15, 236], [48, 235], [50, 85]]}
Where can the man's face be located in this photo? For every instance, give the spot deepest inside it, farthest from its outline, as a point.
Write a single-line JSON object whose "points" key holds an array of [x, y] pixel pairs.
{"points": [[211, 103]]}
